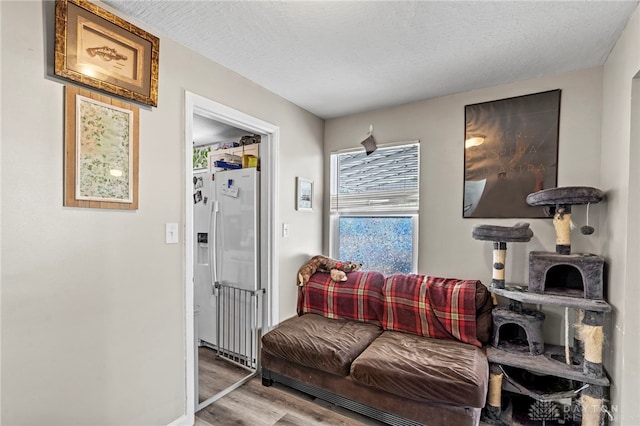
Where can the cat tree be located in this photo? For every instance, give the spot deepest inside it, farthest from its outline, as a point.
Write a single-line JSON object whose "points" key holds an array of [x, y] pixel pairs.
{"points": [[574, 281]]}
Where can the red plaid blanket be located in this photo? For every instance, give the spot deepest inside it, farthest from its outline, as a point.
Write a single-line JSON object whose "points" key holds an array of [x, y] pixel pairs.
{"points": [[442, 308], [359, 298]]}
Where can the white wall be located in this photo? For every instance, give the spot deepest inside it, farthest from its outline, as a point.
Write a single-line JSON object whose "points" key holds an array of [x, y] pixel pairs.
{"points": [[92, 301], [446, 246], [620, 178]]}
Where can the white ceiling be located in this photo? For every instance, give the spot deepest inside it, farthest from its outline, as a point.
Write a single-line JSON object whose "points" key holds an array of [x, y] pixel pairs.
{"points": [[335, 58], [207, 131]]}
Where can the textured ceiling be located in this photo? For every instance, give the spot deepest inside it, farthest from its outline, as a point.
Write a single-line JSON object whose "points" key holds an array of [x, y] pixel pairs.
{"points": [[335, 58]]}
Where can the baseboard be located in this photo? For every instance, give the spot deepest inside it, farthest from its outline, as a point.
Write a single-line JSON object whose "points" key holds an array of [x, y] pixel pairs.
{"points": [[182, 421], [357, 407]]}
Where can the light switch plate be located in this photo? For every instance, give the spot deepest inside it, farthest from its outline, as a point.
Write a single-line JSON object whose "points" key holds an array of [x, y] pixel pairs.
{"points": [[285, 230], [171, 233]]}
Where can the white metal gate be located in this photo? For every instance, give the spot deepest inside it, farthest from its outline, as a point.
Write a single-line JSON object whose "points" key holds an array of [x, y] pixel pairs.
{"points": [[239, 329]]}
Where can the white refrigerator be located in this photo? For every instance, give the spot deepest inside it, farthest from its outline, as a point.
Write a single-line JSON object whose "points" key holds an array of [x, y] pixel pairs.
{"points": [[226, 224]]}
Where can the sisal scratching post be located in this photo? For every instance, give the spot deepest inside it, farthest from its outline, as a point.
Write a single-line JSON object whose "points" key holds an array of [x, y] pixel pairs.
{"points": [[562, 225], [499, 258], [493, 408], [592, 410], [592, 337]]}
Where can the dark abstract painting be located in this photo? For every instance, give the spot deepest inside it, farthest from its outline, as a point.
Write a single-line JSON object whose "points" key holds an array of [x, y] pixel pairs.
{"points": [[511, 150]]}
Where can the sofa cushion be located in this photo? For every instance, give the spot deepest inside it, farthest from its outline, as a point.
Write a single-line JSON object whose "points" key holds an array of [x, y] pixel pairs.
{"points": [[444, 308], [359, 298], [424, 369], [484, 320], [314, 341]]}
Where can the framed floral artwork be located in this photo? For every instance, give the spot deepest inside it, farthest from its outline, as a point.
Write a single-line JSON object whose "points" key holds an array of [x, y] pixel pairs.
{"points": [[101, 151], [99, 49]]}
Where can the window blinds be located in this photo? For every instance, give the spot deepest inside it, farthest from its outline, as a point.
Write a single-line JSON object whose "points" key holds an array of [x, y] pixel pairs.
{"points": [[387, 181]]}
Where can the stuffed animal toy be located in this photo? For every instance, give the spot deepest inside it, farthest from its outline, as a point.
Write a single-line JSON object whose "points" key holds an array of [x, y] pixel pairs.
{"points": [[336, 268]]}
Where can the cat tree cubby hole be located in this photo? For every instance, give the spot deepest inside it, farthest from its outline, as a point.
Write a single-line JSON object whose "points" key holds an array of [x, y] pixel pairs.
{"points": [[574, 275], [518, 330], [513, 337], [564, 279]]}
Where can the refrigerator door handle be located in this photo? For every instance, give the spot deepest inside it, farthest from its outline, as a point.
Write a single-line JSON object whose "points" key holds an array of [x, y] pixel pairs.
{"points": [[213, 234]]}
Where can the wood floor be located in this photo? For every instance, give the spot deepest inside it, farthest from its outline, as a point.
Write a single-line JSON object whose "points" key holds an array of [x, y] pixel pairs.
{"points": [[255, 405], [216, 374]]}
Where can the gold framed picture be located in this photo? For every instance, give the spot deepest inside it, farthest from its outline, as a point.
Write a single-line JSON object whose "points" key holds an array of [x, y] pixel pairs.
{"points": [[101, 151], [98, 49]]}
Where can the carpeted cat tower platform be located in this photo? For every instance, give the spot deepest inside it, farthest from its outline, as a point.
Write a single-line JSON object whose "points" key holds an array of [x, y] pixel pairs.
{"points": [[500, 236]]}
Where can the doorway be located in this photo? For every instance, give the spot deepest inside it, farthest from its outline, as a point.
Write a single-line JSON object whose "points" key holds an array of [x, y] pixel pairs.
{"points": [[198, 106]]}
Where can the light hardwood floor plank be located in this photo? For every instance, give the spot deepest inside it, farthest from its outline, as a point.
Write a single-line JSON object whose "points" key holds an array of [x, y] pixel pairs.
{"points": [[257, 405], [253, 404], [216, 374]]}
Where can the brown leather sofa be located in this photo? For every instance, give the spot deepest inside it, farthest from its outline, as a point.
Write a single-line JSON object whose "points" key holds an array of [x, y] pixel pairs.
{"points": [[347, 350]]}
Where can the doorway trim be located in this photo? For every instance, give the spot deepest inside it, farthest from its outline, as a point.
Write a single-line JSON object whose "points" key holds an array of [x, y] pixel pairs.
{"points": [[269, 268]]}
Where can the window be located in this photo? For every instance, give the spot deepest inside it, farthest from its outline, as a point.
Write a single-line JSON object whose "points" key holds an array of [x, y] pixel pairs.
{"points": [[374, 207]]}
